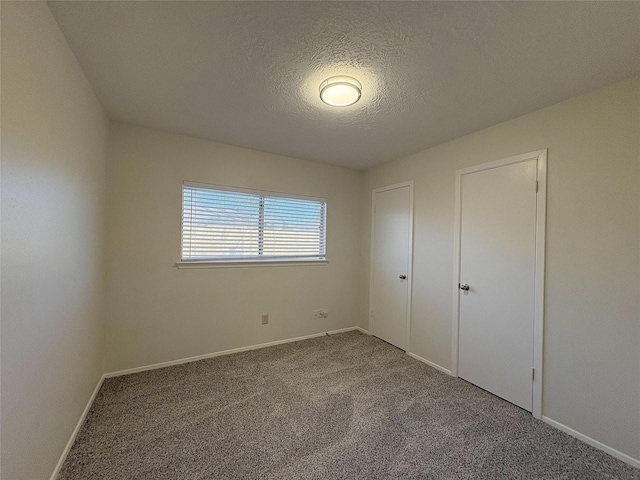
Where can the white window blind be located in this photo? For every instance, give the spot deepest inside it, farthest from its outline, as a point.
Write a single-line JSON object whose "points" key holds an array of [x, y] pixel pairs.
{"points": [[220, 224]]}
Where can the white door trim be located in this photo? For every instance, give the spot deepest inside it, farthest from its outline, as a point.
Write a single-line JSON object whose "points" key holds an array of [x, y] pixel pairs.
{"points": [[541, 211], [409, 184]]}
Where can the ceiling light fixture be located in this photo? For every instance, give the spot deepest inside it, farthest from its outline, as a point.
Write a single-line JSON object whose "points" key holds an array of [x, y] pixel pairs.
{"points": [[340, 91]]}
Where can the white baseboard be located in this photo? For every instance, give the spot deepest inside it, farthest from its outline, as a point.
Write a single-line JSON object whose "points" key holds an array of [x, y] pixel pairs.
{"points": [[634, 462], [74, 434], [360, 329], [225, 352], [431, 364]]}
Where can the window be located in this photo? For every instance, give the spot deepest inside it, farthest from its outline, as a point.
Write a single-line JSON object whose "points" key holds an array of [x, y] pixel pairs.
{"points": [[225, 224]]}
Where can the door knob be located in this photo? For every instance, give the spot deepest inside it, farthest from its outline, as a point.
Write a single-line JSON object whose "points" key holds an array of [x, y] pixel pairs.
{"points": [[463, 286], [403, 277]]}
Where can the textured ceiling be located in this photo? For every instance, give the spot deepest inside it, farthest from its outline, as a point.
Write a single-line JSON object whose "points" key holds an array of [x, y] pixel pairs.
{"points": [[247, 73]]}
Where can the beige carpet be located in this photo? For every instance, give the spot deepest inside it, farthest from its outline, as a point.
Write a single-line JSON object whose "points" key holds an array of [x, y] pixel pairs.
{"points": [[346, 406]]}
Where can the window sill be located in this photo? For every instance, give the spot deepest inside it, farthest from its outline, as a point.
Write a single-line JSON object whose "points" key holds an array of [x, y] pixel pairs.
{"points": [[251, 263]]}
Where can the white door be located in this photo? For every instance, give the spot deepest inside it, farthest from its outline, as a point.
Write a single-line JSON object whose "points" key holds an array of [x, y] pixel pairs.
{"points": [[497, 263], [391, 264]]}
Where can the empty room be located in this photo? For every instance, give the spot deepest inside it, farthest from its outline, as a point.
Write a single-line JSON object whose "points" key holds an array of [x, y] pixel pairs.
{"points": [[319, 240]]}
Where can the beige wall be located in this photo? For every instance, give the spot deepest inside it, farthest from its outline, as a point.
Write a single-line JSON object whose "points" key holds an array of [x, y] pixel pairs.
{"points": [[592, 317], [54, 139], [156, 312]]}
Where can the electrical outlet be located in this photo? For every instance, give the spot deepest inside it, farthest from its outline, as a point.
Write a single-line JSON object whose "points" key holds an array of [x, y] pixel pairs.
{"points": [[265, 318]]}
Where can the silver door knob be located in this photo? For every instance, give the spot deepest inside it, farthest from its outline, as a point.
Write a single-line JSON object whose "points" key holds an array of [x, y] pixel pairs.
{"points": [[463, 286], [403, 277]]}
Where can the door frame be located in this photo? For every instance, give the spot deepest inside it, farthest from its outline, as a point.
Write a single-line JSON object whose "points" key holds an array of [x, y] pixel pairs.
{"points": [[409, 184], [541, 212]]}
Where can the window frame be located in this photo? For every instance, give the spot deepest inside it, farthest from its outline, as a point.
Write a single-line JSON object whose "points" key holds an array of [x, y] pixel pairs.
{"points": [[252, 261]]}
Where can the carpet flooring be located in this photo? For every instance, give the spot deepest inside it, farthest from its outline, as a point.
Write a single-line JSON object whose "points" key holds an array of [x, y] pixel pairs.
{"points": [[346, 406]]}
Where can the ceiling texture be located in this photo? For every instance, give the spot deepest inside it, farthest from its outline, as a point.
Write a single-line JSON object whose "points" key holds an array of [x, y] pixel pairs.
{"points": [[248, 73]]}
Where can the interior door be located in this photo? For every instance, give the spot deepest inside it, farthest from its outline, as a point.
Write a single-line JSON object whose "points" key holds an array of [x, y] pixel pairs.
{"points": [[497, 280], [391, 263]]}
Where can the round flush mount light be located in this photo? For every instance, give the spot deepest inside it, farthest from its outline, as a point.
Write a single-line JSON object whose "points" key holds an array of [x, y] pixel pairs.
{"points": [[340, 91]]}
